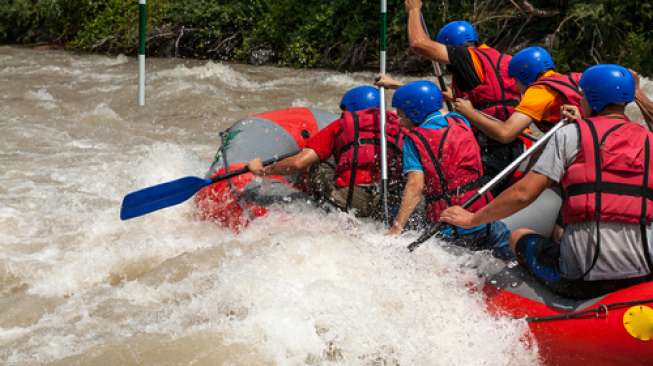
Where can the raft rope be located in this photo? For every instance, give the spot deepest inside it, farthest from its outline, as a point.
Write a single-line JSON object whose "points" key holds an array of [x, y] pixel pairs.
{"points": [[599, 311]]}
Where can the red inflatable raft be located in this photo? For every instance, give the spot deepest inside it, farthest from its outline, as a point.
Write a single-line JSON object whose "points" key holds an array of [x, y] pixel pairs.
{"points": [[613, 330], [235, 202]]}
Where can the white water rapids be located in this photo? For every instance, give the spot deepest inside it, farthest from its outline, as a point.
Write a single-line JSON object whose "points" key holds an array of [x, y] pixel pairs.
{"points": [[299, 287]]}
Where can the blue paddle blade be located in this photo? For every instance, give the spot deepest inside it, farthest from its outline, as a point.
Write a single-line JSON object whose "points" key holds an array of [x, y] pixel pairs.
{"points": [[163, 195]]}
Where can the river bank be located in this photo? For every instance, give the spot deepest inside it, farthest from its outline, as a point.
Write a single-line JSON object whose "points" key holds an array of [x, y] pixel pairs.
{"points": [[338, 34]]}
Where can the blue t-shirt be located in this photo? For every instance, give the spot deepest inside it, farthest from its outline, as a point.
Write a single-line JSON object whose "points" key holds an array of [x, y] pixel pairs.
{"points": [[412, 163]]}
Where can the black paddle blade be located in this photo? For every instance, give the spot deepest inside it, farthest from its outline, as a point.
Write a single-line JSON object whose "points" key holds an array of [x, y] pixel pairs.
{"points": [[426, 235]]}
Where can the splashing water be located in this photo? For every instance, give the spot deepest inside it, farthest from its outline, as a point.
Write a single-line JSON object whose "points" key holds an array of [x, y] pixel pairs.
{"points": [[300, 286]]}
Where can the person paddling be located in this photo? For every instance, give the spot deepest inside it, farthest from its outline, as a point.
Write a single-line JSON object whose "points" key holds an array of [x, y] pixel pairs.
{"points": [[604, 165], [354, 141], [479, 74], [442, 162], [544, 92]]}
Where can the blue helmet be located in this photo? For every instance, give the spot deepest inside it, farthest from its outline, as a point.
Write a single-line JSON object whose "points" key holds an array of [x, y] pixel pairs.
{"points": [[417, 100], [607, 84], [359, 98], [457, 33], [527, 64]]}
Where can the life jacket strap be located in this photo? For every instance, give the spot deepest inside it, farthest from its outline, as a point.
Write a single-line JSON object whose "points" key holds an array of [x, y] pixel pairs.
{"points": [[497, 74], [369, 141], [475, 184], [642, 219], [354, 164], [434, 161], [611, 188], [502, 102]]}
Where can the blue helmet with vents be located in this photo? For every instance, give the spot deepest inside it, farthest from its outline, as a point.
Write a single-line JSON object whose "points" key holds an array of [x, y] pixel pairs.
{"points": [[359, 98], [457, 33], [417, 100], [529, 63], [607, 84]]}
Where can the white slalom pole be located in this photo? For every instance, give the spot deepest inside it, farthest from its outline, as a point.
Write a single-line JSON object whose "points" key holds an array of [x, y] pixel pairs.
{"points": [[383, 40], [142, 25]]}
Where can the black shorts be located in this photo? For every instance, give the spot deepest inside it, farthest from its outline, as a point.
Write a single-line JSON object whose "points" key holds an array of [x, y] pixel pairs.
{"points": [[541, 255]]}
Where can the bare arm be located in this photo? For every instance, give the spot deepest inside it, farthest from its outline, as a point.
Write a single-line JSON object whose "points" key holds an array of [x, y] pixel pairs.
{"points": [[419, 40], [643, 102], [291, 165], [513, 199], [504, 132], [409, 201], [645, 106], [387, 82]]}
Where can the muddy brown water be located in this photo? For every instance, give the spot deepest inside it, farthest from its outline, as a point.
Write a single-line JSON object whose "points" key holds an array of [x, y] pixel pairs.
{"points": [[299, 287]]}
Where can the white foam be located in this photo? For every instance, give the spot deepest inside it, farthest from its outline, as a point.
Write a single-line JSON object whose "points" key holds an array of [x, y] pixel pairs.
{"points": [[301, 102], [92, 262], [102, 110], [358, 292], [350, 297], [341, 81], [41, 95], [118, 60], [211, 71]]}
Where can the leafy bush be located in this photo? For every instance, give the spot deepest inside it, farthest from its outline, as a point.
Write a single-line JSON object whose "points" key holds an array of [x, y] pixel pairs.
{"points": [[337, 33]]}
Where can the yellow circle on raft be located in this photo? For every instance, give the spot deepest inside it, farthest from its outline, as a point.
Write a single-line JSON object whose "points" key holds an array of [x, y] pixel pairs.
{"points": [[638, 322]]}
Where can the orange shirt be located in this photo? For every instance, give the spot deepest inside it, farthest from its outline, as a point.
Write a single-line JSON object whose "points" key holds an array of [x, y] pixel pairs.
{"points": [[478, 68], [540, 102]]}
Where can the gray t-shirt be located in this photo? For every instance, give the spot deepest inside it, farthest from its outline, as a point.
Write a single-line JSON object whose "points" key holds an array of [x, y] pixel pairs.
{"points": [[622, 254]]}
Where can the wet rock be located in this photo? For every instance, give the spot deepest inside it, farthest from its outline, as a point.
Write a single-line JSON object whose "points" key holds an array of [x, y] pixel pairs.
{"points": [[261, 56]]}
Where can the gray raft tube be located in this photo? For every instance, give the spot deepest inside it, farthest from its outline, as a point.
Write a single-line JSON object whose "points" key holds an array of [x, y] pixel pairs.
{"points": [[254, 137], [540, 216]]}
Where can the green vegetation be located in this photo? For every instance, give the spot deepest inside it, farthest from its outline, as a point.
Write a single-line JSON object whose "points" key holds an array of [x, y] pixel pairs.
{"points": [[339, 34]]}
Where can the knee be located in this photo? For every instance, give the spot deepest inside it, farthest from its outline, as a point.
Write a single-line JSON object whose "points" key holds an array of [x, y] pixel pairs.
{"points": [[516, 235]]}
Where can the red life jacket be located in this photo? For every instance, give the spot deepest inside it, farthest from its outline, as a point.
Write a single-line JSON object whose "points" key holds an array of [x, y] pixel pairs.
{"points": [[358, 147], [497, 95], [611, 179], [453, 172], [567, 86]]}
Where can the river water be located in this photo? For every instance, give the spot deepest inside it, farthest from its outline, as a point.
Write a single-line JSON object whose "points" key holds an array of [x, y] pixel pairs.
{"points": [[299, 287]]}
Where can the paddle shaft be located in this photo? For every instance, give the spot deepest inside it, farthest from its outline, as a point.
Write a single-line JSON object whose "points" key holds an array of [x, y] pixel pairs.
{"points": [[383, 40], [437, 69], [245, 169], [489, 185]]}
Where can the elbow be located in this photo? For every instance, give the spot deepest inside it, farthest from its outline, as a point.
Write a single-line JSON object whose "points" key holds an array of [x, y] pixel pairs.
{"points": [[298, 165], [419, 188], [415, 188], [523, 195], [417, 45], [506, 137]]}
